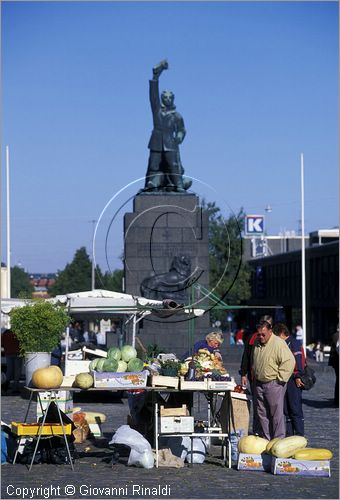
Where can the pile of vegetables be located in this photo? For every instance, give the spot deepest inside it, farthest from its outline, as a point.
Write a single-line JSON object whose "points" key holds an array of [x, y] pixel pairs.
{"points": [[207, 365], [118, 360], [289, 447]]}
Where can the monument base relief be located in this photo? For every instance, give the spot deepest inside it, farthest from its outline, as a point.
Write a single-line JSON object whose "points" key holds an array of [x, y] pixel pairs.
{"points": [[166, 256]]}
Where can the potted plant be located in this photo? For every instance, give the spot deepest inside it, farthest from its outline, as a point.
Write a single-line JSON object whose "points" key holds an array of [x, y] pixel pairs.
{"points": [[38, 327]]}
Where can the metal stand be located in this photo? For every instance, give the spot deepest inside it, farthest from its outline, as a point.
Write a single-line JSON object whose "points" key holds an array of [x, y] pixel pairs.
{"points": [[52, 397]]}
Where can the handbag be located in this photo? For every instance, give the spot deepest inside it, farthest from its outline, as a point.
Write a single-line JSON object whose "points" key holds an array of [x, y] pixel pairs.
{"points": [[308, 378]]}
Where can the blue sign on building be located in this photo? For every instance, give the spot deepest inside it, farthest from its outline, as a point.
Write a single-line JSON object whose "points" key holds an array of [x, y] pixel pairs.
{"points": [[254, 225]]}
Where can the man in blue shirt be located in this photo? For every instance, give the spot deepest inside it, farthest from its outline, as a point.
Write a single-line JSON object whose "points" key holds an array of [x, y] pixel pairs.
{"points": [[212, 342], [293, 397]]}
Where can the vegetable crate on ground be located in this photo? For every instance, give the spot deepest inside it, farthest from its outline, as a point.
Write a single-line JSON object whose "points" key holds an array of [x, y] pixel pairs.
{"points": [[292, 467]]}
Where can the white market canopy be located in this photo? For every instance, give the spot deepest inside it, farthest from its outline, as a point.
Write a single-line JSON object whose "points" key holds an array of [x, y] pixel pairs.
{"points": [[105, 301], [108, 303]]}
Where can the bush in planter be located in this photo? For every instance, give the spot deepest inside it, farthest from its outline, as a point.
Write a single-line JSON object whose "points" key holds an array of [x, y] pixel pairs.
{"points": [[39, 326]]}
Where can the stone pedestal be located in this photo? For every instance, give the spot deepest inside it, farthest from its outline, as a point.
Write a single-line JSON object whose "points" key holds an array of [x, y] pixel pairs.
{"points": [[159, 228]]}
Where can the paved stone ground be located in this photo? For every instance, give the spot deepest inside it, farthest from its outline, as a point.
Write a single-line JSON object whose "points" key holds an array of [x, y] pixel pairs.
{"points": [[93, 470]]}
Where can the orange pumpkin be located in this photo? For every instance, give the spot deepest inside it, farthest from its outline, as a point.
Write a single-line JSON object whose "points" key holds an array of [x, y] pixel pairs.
{"points": [[47, 378]]}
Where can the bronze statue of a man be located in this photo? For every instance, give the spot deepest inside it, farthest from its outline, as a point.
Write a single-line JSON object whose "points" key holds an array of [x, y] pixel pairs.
{"points": [[165, 171]]}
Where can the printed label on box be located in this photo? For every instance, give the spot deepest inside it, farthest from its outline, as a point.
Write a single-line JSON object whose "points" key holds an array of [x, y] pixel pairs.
{"points": [[126, 380]]}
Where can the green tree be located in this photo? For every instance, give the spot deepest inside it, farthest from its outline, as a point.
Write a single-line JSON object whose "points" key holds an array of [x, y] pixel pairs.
{"points": [[21, 285], [76, 277], [229, 275], [113, 281]]}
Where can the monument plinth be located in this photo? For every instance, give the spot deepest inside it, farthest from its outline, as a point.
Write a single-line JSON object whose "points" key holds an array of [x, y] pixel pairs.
{"points": [[161, 235]]}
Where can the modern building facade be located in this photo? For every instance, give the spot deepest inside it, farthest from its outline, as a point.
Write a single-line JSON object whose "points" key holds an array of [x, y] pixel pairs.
{"points": [[277, 281]]}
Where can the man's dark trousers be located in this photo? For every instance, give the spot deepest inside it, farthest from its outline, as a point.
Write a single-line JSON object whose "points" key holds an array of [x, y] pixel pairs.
{"points": [[293, 409]]}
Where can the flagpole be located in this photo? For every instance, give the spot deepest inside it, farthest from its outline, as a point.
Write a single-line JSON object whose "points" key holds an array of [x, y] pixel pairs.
{"points": [[303, 254], [8, 218]]}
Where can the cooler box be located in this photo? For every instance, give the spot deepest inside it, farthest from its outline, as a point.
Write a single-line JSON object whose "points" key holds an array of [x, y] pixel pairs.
{"points": [[177, 425]]}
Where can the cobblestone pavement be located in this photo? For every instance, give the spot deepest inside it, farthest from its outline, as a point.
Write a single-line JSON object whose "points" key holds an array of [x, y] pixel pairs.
{"points": [[95, 477]]}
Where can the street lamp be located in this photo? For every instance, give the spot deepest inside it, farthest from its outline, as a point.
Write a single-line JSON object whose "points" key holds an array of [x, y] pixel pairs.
{"points": [[93, 270]]}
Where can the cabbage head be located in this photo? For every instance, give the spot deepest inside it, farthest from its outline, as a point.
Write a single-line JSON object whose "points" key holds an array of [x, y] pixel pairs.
{"points": [[99, 365], [135, 365], [122, 366], [114, 353], [110, 365], [128, 352]]}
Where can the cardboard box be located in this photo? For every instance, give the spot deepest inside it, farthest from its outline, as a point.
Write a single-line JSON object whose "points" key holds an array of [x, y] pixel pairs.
{"points": [[163, 381], [194, 385], [250, 461], [174, 412], [177, 424], [73, 367], [64, 399], [239, 413], [68, 380], [292, 467], [123, 381]]}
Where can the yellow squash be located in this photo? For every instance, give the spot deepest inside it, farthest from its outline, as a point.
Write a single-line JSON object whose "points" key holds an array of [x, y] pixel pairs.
{"points": [[313, 454], [287, 447]]}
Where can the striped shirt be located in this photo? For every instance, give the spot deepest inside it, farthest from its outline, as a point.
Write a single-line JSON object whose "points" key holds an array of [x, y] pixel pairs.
{"points": [[273, 360]]}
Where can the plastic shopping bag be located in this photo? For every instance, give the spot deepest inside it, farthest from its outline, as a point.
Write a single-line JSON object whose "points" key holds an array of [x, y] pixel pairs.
{"points": [[141, 452], [198, 451]]}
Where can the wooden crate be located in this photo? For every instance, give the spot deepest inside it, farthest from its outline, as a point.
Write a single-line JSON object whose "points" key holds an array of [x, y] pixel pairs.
{"points": [[194, 385], [174, 412], [164, 381], [21, 429]]}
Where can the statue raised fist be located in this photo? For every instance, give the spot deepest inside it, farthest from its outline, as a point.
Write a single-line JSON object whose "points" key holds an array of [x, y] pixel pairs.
{"points": [[157, 70]]}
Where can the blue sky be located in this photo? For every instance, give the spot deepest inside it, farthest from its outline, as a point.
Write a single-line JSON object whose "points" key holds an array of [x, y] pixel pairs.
{"points": [[256, 83]]}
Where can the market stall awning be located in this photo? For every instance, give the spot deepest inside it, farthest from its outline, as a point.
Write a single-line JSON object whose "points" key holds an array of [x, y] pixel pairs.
{"points": [[106, 301]]}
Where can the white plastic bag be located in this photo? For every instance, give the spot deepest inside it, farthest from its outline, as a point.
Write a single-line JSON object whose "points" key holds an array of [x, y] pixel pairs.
{"points": [[141, 452], [144, 459], [198, 451]]}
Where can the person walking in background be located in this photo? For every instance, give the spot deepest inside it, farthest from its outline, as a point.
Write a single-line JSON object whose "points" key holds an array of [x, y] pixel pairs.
{"points": [[299, 334], [318, 349], [273, 365], [246, 366], [11, 346], [334, 362], [293, 397], [239, 336]]}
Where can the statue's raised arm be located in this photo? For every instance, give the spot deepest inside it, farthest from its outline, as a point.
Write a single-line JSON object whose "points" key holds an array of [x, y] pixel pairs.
{"points": [[165, 171], [159, 68]]}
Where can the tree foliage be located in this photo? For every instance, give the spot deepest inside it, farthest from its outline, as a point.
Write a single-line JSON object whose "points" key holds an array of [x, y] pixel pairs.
{"points": [[229, 275], [21, 285], [76, 277]]}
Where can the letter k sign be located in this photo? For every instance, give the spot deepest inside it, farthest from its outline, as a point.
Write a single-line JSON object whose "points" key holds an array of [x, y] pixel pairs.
{"points": [[254, 224]]}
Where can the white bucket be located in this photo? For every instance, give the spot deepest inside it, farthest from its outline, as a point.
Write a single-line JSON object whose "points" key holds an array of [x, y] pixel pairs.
{"points": [[34, 360]]}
